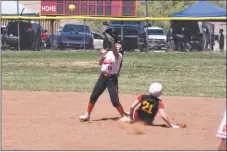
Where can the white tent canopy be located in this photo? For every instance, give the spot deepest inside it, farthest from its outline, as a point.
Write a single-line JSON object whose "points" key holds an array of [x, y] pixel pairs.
{"points": [[10, 8]]}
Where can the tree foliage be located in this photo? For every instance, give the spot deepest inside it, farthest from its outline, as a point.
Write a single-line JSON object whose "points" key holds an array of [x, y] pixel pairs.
{"points": [[156, 9], [166, 8]]}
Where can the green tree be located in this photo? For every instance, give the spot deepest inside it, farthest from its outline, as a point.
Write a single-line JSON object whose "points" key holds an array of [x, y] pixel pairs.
{"points": [[166, 8], [155, 9]]}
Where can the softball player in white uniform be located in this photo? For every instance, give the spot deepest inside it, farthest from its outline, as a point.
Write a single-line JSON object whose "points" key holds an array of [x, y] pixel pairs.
{"points": [[222, 133]]}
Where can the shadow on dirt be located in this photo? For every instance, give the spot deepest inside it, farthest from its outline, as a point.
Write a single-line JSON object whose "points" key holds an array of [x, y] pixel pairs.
{"points": [[117, 118], [105, 119], [159, 125]]}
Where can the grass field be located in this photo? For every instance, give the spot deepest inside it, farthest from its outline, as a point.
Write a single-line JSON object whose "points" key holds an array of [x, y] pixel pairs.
{"points": [[182, 74]]}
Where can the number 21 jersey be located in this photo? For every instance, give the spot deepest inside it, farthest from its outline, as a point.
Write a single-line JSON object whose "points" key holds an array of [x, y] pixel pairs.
{"points": [[149, 107]]}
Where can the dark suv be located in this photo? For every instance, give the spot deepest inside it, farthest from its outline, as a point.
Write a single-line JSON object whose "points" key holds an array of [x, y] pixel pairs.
{"points": [[29, 38], [134, 34]]}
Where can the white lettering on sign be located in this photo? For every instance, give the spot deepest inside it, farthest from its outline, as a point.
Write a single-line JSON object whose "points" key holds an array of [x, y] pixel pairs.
{"points": [[49, 8]]}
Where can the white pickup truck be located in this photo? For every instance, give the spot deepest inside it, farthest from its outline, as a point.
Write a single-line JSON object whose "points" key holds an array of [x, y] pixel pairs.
{"points": [[156, 38]]}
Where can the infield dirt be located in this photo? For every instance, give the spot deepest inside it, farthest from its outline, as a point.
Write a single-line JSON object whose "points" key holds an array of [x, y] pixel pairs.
{"points": [[49, 121]]}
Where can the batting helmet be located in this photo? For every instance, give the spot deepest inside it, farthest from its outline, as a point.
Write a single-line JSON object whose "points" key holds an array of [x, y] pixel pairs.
{"points": [[155, 89]]}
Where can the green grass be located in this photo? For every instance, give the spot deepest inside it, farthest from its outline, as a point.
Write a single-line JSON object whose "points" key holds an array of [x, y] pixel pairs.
{"points": [[184, 74]]}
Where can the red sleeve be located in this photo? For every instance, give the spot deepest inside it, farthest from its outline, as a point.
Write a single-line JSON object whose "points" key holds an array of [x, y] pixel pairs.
{"points": [[161, 105], [139, 97]]}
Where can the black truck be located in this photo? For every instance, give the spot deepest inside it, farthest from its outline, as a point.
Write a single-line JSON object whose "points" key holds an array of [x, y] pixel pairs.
{"points": [[190, 36], [134, 33]]}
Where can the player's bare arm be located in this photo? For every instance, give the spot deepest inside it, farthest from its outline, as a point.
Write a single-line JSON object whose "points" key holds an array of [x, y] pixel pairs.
{"points": [[102, 56], [165, 117], [115, 52], [134, 104]]}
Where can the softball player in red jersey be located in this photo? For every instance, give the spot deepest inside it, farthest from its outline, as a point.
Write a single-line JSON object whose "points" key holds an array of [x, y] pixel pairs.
{"points": [[150, 105], [110, 62], [221, 133]]}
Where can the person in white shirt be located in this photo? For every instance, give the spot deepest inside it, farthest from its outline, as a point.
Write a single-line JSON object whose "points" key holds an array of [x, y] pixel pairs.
{"points": [[110, 62], [221, 133]]}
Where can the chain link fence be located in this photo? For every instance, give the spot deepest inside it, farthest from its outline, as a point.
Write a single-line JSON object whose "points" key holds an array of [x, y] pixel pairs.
{"points": [[87, 35]]}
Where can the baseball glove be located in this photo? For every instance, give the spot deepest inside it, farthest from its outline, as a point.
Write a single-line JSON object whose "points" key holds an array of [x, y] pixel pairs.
{"points": [[110, 35], [182, 125]]}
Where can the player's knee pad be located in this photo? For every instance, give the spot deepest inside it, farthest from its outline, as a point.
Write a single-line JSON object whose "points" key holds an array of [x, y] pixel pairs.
{"points": [[116, 103]]}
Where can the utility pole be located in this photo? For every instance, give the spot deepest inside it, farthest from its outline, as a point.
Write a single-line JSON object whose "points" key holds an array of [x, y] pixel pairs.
{"points": [[18, 25], [146, 9], [146, 33], [173, 3]]}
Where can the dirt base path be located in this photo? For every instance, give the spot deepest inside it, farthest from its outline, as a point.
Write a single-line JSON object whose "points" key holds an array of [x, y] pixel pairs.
{"points": [[49, 121]]}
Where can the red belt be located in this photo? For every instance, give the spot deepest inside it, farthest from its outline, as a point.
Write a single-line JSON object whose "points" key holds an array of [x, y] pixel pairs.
{"points": [[106, 74]]}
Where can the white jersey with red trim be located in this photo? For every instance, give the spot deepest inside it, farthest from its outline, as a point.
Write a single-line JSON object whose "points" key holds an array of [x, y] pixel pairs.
{"points": [[110, 65], [222, 128]]}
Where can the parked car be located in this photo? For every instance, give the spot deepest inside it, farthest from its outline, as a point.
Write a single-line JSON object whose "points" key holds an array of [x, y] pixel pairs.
{"points": [[98, 40], [75, 35], [134, 35], [156, 38], [29, 38]]}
